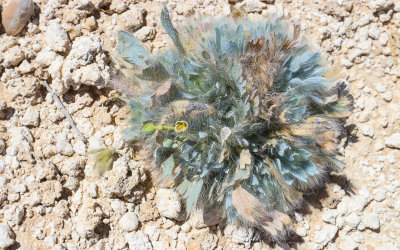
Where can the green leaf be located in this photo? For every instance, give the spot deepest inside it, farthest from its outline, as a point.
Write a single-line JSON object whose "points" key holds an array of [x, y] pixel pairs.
{"points": [[131, 50], [168, 143], [104, 159], [242, 174], [149, 129], [168, 166], [156, 72], [194, 195], [183, 187], [225, 133], [169, 28]]}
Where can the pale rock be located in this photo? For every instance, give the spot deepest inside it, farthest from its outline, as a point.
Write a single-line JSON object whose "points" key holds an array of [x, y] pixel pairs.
{"points": [[329, 216], [118, 6], [70, 246], [14, 215], [387, 96], [3, 108], [3, 181], [2, 146], [49, 12], [61, 209], [365, 46], [301, 231], [367, 130], [393, 141], [390, 158], [56, 37], [36, 47], [55, 67], [352, 220], [395, 71], [132, 19], [85, 63], [186, 227], [138, 240], [380, 87], [13, 56], [121, 180], [11, 151], [384, 17], [384, 39], [50, 241], [7, 237], [33, 199], [31, 117], [49, 191], [25, 67], [162, 244], [340, 222], [13, 197], [62, 144], [118, 206], [347, 243], [380, 5], [168, 203], [92, 190], [45, 57], [146, 33], [325, 235], [86, 127], [73, 166], [374, 31], [354, 53], [371, 221], [153, 231], [79, 147], [88, 218], [2, 166], [361, 102], [251, 6], [129, 222], [38, 234], [19, 188], [12, 162], [379, 146], [16, 14], [100, 3], [95, 143], [338, 42], [72, 183], [243, 235], [324, 33], [59, 87], [379, 194]]}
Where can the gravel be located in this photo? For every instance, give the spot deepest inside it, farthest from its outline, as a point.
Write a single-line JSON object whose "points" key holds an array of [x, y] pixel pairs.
{"points": [[372, 221], [393, 141], [168, 203], [129, 222], [7, 236]]}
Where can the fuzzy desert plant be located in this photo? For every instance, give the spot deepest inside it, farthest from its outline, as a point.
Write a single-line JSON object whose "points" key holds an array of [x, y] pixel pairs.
{"points": [[242, 117]]}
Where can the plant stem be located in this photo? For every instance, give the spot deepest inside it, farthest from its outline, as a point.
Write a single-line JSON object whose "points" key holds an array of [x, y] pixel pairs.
{"points": [[65, 111]]}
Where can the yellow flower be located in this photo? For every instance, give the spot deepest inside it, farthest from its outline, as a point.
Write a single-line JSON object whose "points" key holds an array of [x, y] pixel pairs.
{"points": [[180, 126]]}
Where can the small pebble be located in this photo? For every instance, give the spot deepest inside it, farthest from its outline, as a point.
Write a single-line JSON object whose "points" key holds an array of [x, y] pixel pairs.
{"points": [[16, 14], [129, 222]]}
